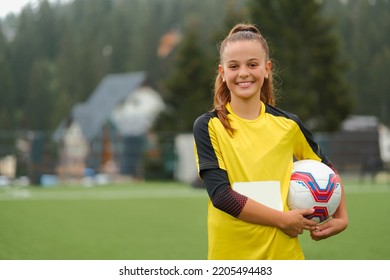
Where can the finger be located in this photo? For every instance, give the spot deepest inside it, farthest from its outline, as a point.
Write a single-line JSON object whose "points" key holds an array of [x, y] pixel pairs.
{"points": [[322, 233], [315, 238], [305, 212], [311, 228], [315, 235], [324, 226], [309, 223]]}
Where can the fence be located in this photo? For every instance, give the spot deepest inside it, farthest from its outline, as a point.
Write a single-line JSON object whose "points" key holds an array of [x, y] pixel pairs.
{"points": [[356, 152], [155, 156], [36, 155]]}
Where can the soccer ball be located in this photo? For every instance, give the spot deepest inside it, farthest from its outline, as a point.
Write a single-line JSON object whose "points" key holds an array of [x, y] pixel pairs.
{"points": [[315, 185]]}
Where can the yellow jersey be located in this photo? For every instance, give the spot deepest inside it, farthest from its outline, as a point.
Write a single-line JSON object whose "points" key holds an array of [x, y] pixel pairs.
{"points": [[260, 150]]}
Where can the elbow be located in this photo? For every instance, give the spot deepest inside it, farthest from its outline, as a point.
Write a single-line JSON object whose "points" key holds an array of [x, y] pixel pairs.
{"points": [[229, 202]]}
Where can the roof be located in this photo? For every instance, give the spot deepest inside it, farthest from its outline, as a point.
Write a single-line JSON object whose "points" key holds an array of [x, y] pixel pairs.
{"points": [[92, 114], [360, 123]]}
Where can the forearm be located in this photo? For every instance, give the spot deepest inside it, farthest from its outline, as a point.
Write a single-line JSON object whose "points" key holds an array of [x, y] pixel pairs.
{"points": [[256, 213], [246, 209], [341, 212]]}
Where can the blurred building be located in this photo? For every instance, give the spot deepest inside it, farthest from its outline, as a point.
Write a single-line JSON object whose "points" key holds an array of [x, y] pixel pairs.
{"points": [[362, 146], [109, 132]]}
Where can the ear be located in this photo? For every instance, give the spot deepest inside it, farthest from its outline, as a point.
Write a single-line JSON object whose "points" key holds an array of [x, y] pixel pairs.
{"points": [[221, 72], [268, 68]]}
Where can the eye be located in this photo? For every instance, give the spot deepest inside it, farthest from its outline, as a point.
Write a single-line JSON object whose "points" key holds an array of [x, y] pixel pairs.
{"points": [[233, 66], [253, 65]]}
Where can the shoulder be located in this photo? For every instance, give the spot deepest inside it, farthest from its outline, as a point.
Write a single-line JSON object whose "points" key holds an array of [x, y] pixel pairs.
{"points": [[277, 112], [202, 121], [283, 116]]}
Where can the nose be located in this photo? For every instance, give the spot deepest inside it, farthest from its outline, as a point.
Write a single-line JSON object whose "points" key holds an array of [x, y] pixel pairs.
{"points": [[243, 73]]}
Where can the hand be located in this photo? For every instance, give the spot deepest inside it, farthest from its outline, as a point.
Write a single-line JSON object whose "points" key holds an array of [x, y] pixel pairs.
{"points": [[329, 228], [334, 225], [295, 222]]}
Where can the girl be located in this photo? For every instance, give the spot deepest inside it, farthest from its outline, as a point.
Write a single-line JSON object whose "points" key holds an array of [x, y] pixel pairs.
{"points": [[245, 139]]}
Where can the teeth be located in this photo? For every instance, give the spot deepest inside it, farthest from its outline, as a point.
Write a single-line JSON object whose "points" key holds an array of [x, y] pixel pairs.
{"points": [[244, 83]]}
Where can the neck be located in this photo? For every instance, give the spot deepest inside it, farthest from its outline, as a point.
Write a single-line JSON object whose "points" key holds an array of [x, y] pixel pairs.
{"points": [[246, 109]]}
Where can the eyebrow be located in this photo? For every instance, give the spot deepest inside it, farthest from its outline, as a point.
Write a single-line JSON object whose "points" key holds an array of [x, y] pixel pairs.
{"points": [[251, 59]]}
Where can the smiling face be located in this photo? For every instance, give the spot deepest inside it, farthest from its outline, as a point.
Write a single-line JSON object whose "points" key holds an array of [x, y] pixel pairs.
{"points": [[244, 67]]}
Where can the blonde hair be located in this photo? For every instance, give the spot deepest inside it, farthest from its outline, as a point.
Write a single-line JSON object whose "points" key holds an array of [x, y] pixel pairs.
{"points": [[240, 32]]}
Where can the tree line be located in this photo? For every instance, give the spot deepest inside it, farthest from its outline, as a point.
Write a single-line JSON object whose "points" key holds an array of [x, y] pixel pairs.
{"points": [[331, 57]]}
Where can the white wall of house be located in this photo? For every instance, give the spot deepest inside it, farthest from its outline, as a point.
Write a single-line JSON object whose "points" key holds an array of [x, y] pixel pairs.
{"points": [[185, 170], [384, 142], [73, 153], [75, 144], [135, 116]]}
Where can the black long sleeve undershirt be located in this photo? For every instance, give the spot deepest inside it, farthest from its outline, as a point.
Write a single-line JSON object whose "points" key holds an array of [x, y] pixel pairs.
{"points": [[221, 194]]}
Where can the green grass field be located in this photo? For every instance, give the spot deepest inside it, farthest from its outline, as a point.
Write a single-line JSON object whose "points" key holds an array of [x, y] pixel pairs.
{"points": [[159, 221]]}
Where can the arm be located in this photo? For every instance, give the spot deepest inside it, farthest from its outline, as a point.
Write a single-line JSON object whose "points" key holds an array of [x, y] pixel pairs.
{"points": [[225, 199], [291, 223], [337, 224]]}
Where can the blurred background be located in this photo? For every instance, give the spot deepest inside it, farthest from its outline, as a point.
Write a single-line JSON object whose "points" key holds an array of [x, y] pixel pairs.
{"points": [[98, 99], [107, 90]]}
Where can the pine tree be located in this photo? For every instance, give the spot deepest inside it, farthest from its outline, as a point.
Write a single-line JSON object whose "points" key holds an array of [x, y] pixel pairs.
{"points": [[189, 88], [7, 118], [364, 26], [306, 54]]}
